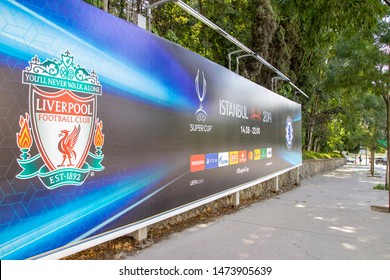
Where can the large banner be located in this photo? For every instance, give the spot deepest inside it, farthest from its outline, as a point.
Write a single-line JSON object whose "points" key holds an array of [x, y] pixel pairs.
{"points": [[104, 125]]}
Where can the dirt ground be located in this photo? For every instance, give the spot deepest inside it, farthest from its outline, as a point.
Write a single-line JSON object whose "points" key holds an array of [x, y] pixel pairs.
{"points": [[121, 247]]}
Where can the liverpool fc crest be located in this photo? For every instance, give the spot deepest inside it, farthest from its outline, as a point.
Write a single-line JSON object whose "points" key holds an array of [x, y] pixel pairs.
{"points": [[62, 122]]}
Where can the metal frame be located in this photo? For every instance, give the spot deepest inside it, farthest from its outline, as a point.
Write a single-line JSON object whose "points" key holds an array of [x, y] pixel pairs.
{"points": [[152, 6], [222, 32], [238, 60], [274, 82], [230, 57]]}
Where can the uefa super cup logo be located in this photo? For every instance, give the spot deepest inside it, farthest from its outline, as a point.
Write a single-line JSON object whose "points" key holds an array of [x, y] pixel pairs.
{"points": [[200, 114]]}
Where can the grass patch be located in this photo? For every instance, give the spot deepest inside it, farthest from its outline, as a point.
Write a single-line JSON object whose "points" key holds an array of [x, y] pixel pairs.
{"points": [[314, 155], [381, 187]]}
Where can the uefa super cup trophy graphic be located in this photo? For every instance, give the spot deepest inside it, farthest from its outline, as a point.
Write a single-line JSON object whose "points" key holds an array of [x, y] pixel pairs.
{"points": [[200, 114]]}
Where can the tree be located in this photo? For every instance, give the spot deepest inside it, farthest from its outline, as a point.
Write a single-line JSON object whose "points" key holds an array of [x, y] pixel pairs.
{"points": [[361, 64], [263, 30], [374, 125], [318, 25]]}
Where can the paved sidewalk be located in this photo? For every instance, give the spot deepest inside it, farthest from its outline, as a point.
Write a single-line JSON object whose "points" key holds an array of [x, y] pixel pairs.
{"points": [[327, 217]]}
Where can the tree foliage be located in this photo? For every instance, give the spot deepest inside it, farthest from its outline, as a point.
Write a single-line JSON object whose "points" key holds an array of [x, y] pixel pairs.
{"points": [[323, 27]]}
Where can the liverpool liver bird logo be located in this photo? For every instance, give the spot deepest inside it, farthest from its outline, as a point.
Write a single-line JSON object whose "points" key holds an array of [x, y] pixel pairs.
{"points": [[67, 143]]}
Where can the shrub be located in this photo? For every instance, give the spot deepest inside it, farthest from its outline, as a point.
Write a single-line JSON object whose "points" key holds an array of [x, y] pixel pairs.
{"points": [[314, 155], [381, 187]]}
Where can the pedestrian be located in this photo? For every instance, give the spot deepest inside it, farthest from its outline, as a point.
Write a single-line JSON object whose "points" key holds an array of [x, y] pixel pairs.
{"points": [[360, 159]]}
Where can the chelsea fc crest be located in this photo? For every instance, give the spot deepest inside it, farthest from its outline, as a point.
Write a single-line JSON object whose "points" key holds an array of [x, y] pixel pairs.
{"points": [[289, 133], [62, 123]]}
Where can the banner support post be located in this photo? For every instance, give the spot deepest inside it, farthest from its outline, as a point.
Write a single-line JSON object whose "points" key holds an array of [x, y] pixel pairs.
{"points": [[140, 234], [236, 199], [276, 183]]}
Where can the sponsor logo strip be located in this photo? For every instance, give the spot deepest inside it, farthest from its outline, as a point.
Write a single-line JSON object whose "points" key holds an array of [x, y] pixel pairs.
{"points": [[202, 162]]}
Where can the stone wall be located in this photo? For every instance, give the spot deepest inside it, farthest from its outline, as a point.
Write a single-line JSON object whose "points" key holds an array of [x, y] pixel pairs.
{"points": [[265, 189], [313, 167]]}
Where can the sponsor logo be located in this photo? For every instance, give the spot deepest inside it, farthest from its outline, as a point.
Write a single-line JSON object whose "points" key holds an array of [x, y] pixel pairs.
{"points": [[269, 152], [242, 170], [256, 154], [231, 109], [289, 133], [243, 155], [250, 155], [211, 161], [233, 157], [62, 121], [197, 163], [263, 153], [223, 159], [196, 182]]}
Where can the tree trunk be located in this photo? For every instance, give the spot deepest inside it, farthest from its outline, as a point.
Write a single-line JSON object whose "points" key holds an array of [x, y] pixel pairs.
{"points": [[127, 11], [316, 146], [310, 138], [105, 5], [388, 146], [372, 162], [122, 8], [200, 7]]}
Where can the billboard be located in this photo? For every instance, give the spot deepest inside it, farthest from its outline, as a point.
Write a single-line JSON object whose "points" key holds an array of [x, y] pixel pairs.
{"points": [[105, 127]]}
